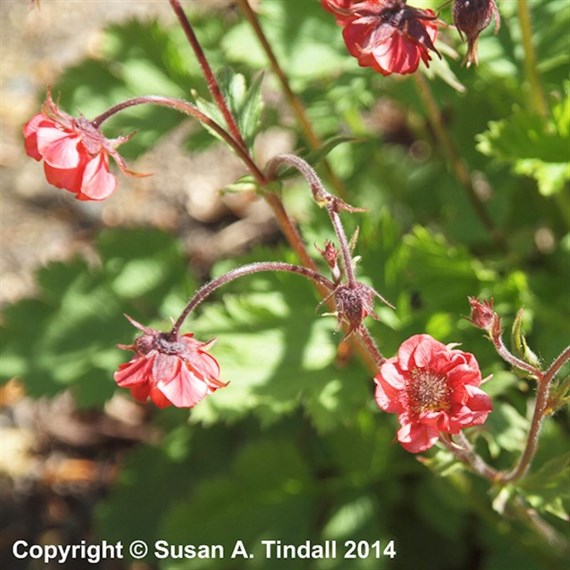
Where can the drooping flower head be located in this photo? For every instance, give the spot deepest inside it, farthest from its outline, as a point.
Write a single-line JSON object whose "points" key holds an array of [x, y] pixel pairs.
{"points": [[434, 389], [471, 17], [171, 371], [74, 151], [386, 35]]}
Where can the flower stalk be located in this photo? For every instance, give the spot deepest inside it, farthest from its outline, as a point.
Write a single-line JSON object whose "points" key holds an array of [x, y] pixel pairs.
{"points": [[294, 102], [206, 290], [213, 85]]}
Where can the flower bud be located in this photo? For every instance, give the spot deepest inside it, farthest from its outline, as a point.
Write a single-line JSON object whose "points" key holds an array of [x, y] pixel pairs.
{"points": [[471, 17], [354, 304], [482, 313]]}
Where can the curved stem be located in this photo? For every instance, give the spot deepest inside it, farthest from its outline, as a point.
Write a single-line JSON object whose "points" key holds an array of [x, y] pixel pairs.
{"points": [[344, 247], [287, 226], [530, 66], [456, 162], [294, 101], [466, 454], [207, 289], [558, 363], [515, 362], [193, 111], [321, 197], [540, 409], [211, 80]]}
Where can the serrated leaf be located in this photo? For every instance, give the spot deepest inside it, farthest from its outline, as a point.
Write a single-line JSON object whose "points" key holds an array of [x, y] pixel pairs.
{"points": [[244, 102], [534, 146], [278, 354], [66, 339]]}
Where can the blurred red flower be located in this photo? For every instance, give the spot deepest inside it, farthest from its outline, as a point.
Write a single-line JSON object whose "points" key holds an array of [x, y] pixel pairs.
{"points": [[434, 389], [170, 371], [386, 35], [74, 151]]}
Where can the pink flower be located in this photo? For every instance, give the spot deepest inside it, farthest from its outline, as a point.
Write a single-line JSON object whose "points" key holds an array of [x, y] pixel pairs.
{"points": [[74, 151], [386, 35], [434, 389], [171, 371]]}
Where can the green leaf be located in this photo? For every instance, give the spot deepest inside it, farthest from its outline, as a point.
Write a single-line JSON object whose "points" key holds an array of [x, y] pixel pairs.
{"points": [[519, 342], [278, 354], [244, 103], [266, 492], [549, 487], [66, 338], [532, 145]]}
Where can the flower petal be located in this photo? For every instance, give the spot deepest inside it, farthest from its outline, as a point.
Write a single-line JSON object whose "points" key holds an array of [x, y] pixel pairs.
{"points": [[30, 136], [58, 148], [185, 390], [97, 183], [416, 438], [69, 179], [136, 371]]}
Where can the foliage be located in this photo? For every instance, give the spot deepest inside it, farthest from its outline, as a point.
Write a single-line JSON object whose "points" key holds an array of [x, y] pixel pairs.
{"points": [[294, 448]]}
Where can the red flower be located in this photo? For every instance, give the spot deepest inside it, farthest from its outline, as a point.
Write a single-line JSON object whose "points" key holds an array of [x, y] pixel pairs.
{"points": [[434, 389], [387, 35], [74, 151], [170, 371]]}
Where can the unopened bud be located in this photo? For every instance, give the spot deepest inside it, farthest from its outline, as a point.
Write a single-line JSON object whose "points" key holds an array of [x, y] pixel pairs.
{"points": [[482, 313], [471, 17]]}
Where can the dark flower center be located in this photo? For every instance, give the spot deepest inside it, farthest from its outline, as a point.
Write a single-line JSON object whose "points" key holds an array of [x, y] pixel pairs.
{"points": [[428, 392]]}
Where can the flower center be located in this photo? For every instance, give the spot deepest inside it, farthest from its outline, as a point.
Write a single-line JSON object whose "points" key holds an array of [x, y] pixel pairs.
{"points": [[428, 392]]}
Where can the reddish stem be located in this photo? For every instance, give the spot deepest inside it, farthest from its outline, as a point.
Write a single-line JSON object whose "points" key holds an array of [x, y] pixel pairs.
{"points": [[188, 109], [206, 290], [211, 80]]}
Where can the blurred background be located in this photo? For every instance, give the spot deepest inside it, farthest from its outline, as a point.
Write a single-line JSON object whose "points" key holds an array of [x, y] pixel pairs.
{"points": [[295, 448]]}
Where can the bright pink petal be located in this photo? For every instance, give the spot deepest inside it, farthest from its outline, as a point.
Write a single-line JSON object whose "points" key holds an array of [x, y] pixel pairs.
{"points": [[97, 183], [58, 148], [30, 136], [185, 390], [388, 398], [416, 438], [426, 350]]}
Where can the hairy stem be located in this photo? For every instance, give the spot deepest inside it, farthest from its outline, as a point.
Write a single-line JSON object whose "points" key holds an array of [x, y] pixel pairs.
{"points": [[211, 80], [558, 363], [457, 164], [321, 197], [515, 362], [294, 101], [206, 290], [191, 110], [540, 409]]}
